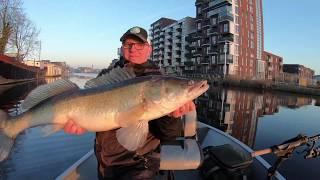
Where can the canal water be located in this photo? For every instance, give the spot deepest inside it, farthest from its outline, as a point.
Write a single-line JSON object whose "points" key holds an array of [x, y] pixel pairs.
{"points": [[259, 119]]}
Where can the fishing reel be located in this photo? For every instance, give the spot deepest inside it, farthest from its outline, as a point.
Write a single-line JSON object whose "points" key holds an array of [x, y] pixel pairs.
{"points": [[311, 151]]}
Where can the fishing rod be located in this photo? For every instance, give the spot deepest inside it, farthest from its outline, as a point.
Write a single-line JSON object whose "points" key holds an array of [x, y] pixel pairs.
{"points": [[285, 150]]}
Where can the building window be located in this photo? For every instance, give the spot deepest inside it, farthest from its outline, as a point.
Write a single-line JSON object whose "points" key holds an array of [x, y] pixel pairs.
{"points": [[226, 27], [236, 49], [198, 10], [199, 26], [214, 39], [237, 29], [237, 19], [208, 31], [213, 59], [237, 10], [213, 21], [251, 44], [199, 42]]}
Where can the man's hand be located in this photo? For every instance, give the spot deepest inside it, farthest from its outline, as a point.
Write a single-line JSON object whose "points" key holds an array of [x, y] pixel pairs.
{"points": [[189, 106], [72, 128]]}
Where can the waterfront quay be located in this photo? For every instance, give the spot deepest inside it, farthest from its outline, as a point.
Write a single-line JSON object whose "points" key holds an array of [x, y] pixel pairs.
{"points": [[288, 86], [13, 71]]}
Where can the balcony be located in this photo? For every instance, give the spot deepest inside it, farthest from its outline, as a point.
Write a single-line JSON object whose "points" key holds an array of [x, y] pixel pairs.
{"points": [[229, 59], [188, 55], [227, 16], [213, 31], [206, 24], [177, 41], [213, 51], [204, 61], [199, 19], [229, 38], [205, 43], [198, 2], [216, 2], [188, 63]]}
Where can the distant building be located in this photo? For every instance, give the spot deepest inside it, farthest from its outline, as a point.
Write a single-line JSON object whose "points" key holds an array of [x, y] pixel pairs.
{"points": [[273, 66], [53, 70], [316, 79], [170, 45], [157, 37], [34, 63], [302, 75]]}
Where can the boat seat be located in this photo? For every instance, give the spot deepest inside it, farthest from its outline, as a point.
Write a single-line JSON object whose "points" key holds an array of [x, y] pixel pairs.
{"points": [[227, 158], [184, 153]]}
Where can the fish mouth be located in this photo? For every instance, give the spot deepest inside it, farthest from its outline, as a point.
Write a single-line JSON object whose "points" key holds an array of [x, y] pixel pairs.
{"points": [[198, 88]]}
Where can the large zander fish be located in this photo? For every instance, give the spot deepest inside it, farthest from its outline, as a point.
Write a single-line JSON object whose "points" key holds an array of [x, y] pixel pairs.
{"points": [[116, 100]]}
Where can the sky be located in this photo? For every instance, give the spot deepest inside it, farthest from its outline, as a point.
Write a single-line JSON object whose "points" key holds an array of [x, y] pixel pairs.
{"points": [[86, 33]]}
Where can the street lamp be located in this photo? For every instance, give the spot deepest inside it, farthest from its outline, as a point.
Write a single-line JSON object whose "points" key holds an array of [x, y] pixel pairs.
{"points": [[225, 48]]}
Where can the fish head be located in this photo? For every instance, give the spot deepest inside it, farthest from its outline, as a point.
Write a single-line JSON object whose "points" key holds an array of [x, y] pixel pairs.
{"points": [[169, 93]]}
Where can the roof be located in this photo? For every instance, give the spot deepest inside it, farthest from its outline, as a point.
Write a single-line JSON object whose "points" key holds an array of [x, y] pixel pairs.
{"points": [[9, 60]]}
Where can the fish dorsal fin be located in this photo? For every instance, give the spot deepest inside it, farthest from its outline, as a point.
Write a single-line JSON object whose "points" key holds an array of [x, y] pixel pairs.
{"points": [[114, 76], [46, 91]]}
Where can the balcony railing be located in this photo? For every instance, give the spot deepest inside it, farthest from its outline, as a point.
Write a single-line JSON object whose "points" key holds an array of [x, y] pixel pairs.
{"points": [[213, 3], [189, 63], [226, 38]]}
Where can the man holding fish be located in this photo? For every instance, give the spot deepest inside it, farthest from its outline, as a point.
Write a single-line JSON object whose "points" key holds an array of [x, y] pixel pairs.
{"points": [[116, 162], [122, 106]]}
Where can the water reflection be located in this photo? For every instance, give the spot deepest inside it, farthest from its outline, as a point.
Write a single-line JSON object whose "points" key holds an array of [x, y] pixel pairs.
{"points": [[263, 119], [35, 156], [237, 111]]}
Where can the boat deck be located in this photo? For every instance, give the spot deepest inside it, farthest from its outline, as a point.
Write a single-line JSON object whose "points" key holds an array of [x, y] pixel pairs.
{"points": [[86, 167]]}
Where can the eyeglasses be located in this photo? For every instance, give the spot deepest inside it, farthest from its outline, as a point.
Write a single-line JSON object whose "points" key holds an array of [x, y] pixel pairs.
{"points": [[137, 46]]}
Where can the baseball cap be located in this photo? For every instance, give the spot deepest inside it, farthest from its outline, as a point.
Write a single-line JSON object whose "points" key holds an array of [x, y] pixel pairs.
{"points": [[137, 32]]}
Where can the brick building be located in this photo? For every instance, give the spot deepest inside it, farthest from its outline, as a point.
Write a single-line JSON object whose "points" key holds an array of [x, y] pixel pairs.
{"points": [[273, 66], [301, 75], [236, 25]]}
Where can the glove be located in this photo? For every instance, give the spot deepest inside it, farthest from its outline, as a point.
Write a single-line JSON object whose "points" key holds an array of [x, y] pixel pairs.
{"points": [[72, 128], [189, 106]]}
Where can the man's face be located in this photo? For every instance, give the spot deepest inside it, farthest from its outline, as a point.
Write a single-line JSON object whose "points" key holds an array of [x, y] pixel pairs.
{"points": [[136, 51]]}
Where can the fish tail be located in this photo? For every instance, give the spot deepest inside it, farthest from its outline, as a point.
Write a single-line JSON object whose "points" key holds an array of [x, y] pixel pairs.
{"points": [[6, 142]]}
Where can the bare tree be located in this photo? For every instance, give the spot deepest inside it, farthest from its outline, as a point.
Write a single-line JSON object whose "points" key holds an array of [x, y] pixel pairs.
{"points": [[17, 33], [24, 37]]}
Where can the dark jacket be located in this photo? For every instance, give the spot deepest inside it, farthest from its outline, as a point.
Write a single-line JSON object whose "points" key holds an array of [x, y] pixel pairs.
{"points": [[110, 154]]}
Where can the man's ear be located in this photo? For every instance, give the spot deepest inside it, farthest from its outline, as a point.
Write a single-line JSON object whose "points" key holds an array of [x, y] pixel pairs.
{"points": [[150, 50], [121, 50]]}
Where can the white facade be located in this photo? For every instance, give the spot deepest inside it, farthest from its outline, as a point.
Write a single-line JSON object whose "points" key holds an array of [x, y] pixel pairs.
{"points": [[39, 64], [170, 51]]}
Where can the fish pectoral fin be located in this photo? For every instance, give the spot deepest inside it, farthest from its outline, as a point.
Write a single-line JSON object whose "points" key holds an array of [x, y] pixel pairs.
{"points": [[51, 129], [6, 144], [131, 116], [134, 136]]}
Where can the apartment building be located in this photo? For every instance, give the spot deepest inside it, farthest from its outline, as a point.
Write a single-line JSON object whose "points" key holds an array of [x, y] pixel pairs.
{"points": [[273, 66], [157, 37], [169, 44], [229, 38]]}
